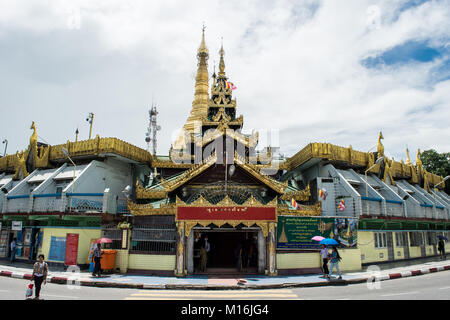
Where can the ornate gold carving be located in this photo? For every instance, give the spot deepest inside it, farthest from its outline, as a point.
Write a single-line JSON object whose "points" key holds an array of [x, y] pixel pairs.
{"points": [[19, 166], [380, 147], [149, 209], [302, 195], [142, 193], [306, 210]]}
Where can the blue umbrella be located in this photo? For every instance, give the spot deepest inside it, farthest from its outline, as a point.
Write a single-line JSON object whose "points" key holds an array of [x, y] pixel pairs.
{"points": [[442, 238], [329, 241]]}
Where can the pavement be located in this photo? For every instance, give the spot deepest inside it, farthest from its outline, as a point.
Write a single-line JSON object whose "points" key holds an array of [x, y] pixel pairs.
{"points": [[374, 273]]}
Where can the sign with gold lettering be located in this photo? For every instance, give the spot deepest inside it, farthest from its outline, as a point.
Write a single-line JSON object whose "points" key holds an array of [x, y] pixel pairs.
{"points": [[226, 213]]}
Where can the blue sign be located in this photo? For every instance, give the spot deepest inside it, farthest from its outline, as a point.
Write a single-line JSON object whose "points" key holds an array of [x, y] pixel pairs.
{"points": [[57, 249]]}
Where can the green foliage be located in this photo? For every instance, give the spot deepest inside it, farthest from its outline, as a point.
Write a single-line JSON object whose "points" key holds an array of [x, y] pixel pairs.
{"points": [[437, 163]]}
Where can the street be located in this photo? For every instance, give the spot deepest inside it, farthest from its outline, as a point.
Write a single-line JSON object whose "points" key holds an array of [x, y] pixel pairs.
{"points": [[435, 286]]}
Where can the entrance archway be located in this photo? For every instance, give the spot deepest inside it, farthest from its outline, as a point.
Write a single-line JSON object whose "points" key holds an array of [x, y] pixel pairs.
{"points": [[224, 244]]}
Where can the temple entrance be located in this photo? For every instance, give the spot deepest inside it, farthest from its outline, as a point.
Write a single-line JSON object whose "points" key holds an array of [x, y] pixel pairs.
{"points": [[225, 247]]}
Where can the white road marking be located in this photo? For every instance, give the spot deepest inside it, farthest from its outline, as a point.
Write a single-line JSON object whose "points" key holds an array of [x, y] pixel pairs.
{"points": [[444, 288], [59, 296], [398, 294]]}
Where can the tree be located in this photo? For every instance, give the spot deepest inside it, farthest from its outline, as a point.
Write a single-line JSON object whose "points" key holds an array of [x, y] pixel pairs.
{"points": [[437, 163]]}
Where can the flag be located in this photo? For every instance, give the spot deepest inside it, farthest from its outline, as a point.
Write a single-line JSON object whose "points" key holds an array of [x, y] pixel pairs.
{"points": [[229, 85], [323, 193], [342, 205], [294, 203]]}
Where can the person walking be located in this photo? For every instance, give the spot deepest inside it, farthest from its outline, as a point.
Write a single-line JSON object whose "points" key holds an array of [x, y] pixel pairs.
{"points": [[441, 248], [334, 262], [13, 250], [324, 255], [97, 258], [39, 276]]}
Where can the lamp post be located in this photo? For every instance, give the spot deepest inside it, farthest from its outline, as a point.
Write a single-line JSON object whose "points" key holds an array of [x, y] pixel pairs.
{"points": [[66, 153], [379, 160], [6, 146], [90, 119], [434, 195]]}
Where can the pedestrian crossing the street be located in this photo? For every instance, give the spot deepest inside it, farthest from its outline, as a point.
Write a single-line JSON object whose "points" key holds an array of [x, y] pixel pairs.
{"points": [[274, 294]]}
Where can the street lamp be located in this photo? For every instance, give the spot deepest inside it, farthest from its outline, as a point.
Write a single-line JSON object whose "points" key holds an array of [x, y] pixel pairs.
{"points": [[6, 146], [379, 160], [66, 153], [90, 119]]}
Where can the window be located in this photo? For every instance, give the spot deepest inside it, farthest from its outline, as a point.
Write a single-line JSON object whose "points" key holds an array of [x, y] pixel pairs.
{"points": [[154, 238], [380, 239], [431, 238], [399, 239], [416, 239], [59, 192], [113, 233]]}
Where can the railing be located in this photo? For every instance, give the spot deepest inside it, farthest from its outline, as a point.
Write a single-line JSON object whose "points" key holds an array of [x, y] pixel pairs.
{"points": [[49, 202], [90, 202]]}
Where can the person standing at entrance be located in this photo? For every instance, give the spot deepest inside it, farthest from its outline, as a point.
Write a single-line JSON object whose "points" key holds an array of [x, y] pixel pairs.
{"points": [[441, 248], [324, 255], [40, 271], [13, 250], [203, 259], [97, 258], [334, 262], [207, 246]]}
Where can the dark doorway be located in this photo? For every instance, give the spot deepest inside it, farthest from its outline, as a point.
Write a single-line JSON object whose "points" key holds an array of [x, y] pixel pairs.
{"points": [[224, 247]]}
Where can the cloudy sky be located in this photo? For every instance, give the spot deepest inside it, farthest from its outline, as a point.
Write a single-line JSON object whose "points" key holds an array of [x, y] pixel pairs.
{"points": [[317, 71]]}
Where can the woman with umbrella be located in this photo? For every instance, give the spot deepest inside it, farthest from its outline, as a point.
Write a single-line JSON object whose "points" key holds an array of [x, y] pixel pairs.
{"points": [[334, 262]]}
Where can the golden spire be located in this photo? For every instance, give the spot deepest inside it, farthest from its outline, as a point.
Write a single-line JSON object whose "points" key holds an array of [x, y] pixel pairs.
{"points": [[201, 96], [222, 62], [408, 159]]}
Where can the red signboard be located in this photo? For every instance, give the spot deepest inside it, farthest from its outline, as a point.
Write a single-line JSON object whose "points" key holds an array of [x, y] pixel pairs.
{"points": [[226, 213], [71, 249]]}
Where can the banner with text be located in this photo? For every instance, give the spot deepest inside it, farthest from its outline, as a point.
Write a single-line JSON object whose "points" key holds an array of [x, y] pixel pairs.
{"points": [[297, 232]]}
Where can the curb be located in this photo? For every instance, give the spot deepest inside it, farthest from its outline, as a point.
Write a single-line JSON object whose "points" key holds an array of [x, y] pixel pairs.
{"points": [[103, 284]]}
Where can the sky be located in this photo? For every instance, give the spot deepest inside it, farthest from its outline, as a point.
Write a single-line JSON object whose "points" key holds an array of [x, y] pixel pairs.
{"points": [[314, 71]]}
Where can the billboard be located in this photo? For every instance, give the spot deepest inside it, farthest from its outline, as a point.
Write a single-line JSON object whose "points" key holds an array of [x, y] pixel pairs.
{"points": [[296, 232]]}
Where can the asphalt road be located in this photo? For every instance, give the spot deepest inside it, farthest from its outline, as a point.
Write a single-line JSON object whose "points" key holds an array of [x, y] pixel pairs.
{"points": [[435, 286]]}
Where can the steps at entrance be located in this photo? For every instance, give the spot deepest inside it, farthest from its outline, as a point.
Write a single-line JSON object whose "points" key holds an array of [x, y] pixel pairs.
{"points": [[228, 271]]}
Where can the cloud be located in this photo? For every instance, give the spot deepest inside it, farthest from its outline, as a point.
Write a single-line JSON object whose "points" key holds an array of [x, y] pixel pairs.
{"points": [[299, 68]]}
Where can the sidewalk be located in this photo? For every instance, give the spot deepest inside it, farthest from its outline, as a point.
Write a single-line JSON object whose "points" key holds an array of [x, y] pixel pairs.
{"points": [[382, 273]]}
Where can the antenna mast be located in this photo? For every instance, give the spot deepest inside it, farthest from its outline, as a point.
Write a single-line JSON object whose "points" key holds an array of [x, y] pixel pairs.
{"points": [[150, 136]]}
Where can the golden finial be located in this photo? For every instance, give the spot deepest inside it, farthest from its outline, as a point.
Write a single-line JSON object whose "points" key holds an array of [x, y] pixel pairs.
{"points": [[408, 160], [380, 147], [203, 49], [418, 161], [222, 62]]}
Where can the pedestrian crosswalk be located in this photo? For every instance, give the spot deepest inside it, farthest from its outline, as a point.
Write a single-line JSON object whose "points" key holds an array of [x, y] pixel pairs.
{"points": [[273, 294]]}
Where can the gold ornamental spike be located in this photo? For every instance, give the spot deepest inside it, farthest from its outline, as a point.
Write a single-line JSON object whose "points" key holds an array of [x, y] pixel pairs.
{"points": [[201, 96], [222, 61], [408, 159]]}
